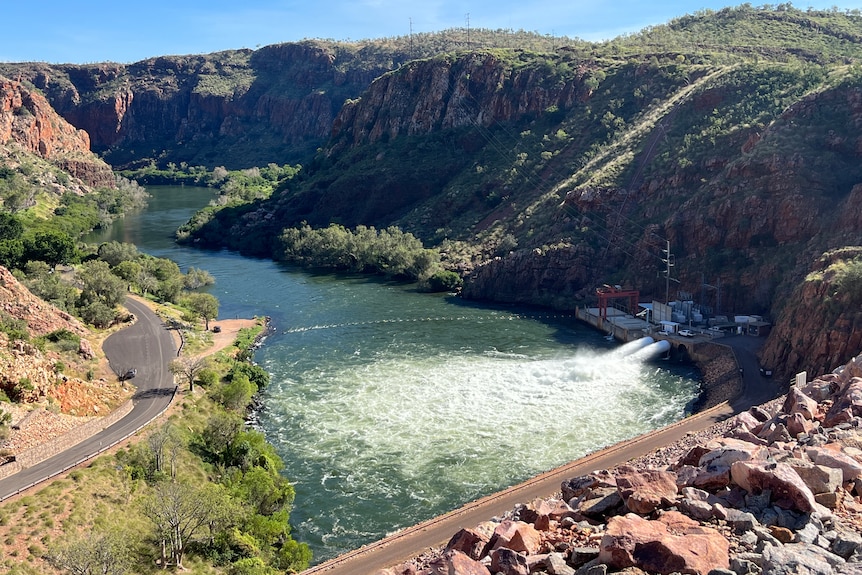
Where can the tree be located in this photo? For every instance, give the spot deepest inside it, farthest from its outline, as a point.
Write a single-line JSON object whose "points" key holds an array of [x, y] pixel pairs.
{"points": [[237, 393], [221, 431], [100, 284], [11, 253], [189, 368], [164, 441], [115, 252], [51, 247], [197, 278], [204, 305], [104, 552], [11, 227], [180, 511]]}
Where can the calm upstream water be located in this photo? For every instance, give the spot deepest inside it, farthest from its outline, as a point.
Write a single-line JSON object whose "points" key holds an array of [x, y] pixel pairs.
{"points": [[391, 406]]}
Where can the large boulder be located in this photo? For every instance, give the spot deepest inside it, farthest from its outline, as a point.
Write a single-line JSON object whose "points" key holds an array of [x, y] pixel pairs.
{"points": [[847, 404], [818, 478], [517, 536], [797, 402], [470, 542], [645, 491], [673, 543], [830, 455], [725, 451], [455, 563], [787, 488]]}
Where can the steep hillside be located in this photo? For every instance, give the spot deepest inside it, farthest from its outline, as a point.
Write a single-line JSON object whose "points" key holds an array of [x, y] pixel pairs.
{"points": [[30, 125]]}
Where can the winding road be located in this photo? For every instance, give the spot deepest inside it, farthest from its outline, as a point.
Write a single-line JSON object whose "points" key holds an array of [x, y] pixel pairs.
{"points": [[414, 541], [146, 345]]}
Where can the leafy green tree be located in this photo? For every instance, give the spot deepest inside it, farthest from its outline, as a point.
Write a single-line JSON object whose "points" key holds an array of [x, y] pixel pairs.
{"points": [[220, 432], [98, 314], [51, 247], [49, 286], [236, 394], [11, 227], [100, 284], [117, 252], [204, 305], [265, 491], [128, 270], [197, 278], [255, 373], [11, 253]]}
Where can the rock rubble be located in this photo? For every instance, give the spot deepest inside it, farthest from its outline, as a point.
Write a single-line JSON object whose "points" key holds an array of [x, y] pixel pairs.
{"points": [[774, 490]]}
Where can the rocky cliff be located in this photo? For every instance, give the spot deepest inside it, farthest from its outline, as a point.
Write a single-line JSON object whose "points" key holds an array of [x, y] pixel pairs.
{"points": [[821, 325], [237, 108], [28, 121], [34, 373]]}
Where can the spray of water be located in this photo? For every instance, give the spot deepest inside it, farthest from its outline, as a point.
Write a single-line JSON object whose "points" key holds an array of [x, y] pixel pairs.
{"points": [[383, 439]]}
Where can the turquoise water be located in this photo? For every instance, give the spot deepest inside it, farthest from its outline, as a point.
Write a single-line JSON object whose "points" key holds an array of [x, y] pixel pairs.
{"points": [[391, 406]]}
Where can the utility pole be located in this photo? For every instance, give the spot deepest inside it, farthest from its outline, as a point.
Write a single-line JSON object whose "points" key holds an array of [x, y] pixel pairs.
{"points": [[717, 289], [468, 30], [669, 263], [412, 55]]}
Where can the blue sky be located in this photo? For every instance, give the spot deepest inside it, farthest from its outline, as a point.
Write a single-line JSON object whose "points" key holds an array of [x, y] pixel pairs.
{"points": [[60, 31]]}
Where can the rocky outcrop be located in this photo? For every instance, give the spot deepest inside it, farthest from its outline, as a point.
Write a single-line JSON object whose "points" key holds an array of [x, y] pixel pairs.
{"points": [[427, 96], [41, 318], [28, 121], [819, 326], [790, 502], [236, 108]]}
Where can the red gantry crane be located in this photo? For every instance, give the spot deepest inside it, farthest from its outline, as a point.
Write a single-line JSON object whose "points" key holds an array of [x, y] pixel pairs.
{"points": [[608, 292]]}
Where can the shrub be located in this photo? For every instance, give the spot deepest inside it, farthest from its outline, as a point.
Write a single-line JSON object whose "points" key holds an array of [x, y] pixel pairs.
{"points": [[445, 280]]}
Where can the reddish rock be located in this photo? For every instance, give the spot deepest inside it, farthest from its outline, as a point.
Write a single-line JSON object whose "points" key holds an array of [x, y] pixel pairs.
{"points": [[818, 478], [455, 563], [787, 488], [846, 405], [85, 350], [505, 561], [645, 491], [797, 424], [725, 451], [692, 457], [831, 455], [469, 542], [746, 421], [797, 402], [518, 536], [673, 543]]}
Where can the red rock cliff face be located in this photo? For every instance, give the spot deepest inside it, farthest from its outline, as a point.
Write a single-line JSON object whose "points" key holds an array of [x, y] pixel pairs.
{"points": [[432, 95], [820, 328], [271, 104], [29, 121]]}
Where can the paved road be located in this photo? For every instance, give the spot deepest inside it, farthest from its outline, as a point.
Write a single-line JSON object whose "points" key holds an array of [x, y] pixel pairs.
{"points": [[413, 541], [145, 345]]}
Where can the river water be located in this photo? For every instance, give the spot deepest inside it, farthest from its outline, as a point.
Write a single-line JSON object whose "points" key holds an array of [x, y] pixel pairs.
{"points": [[391, 406]]}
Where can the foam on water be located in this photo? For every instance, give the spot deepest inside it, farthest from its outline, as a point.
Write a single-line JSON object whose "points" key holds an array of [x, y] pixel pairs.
{"points": [[381, 442]]}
